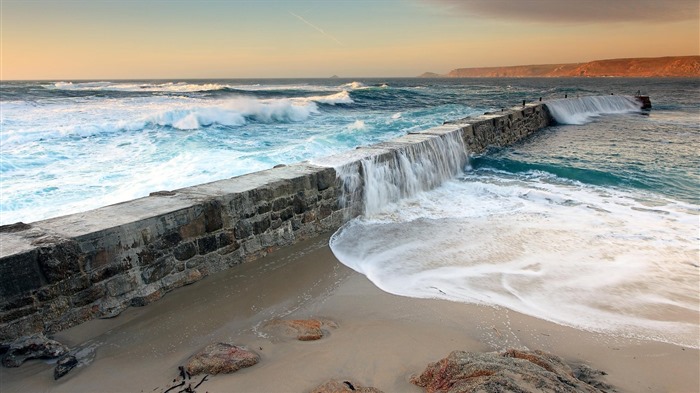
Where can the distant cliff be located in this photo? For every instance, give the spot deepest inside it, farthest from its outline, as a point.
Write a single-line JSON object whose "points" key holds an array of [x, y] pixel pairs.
{"points": [[677, 66]]}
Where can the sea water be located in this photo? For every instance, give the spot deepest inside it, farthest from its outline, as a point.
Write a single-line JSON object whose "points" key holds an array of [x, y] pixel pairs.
{"points": [[592, 223], [68, 147]]}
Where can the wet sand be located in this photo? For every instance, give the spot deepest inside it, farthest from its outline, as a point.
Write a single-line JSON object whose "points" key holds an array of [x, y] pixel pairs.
{"points": [[381, 341]]}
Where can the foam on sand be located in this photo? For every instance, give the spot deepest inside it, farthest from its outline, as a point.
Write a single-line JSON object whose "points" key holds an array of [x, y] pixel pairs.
{"points": [[614, 262]]}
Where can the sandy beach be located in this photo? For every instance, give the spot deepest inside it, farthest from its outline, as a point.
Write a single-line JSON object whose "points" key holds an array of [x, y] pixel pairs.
{"points": [[381, 340]]}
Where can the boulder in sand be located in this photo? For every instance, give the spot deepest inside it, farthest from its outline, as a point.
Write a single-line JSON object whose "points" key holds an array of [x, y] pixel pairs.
{"points": [[512, 371], [301, 329], [78, 357], [32, 347], [221, 358]]}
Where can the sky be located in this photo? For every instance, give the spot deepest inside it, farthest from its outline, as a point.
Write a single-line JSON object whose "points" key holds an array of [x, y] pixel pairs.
{"points": [[166, 39]]}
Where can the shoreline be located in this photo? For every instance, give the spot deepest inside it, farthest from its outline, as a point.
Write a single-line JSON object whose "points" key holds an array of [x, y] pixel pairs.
{"points": [[382, 339]]}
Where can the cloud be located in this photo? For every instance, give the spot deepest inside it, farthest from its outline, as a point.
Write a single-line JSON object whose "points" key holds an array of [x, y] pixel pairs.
{"points": [[583, 11]]}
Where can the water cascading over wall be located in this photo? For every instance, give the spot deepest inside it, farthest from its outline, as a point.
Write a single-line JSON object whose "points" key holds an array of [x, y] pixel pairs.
{"points": [[581, 110], [401, 170], [60, 272]]}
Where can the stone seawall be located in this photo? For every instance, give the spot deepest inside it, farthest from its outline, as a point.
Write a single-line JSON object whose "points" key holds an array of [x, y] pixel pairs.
{"points": [[60, 272]]}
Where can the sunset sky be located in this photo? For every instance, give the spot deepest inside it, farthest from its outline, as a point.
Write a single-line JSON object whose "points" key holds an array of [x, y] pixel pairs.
{"points": [[131, 39]]}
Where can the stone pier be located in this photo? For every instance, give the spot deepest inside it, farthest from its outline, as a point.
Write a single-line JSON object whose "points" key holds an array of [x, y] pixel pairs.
{"points": [[63, 271]]}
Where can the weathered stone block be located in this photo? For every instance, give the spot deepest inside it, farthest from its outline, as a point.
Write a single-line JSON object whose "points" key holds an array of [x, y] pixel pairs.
{"points": [[70, 318], [146, 236], [65, 287], [230, 248], [53, 309], [120, 285], [309, 216], [146, 257], [252, 245], [194, 228], [17, 313], [286, 214], [325, 178], [111, 307], [142, 300], [20, 274], [243, 229], [21, 327], [181, 279], [264, 207], [185, 251], [261, 225], [16, 302], [109, 271], [280, 203], [73, 284], [88, 295], [296, 223], [264, 193], [207, 244], [300, 183], [299, 203], [59, 261], [213, 220], [157, 271], [170, 240], [242, 205], [325, 210]]}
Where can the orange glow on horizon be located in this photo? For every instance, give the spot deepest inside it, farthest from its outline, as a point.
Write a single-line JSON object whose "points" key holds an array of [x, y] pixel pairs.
{"points": [[77, 44]]}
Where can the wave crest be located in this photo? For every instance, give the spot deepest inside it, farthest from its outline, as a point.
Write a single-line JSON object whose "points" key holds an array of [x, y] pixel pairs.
{"points": [[353, 85], [342, 97], [176, 87], [236, 113]]}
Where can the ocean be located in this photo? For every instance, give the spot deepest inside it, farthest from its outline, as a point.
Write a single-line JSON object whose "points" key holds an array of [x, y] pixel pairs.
{"points": [[592, 223]]}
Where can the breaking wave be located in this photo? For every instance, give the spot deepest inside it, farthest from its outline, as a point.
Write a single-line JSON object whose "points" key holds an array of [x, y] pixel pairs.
{"points": [[181, 87]]}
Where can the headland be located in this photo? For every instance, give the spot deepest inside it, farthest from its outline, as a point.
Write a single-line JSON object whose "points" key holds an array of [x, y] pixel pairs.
{"points": [[671, 66]]}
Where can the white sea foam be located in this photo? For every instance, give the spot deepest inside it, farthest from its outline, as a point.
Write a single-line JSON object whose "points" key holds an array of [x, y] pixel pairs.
{"points": [[592, 258], [182, 87], [24, 123], [342, 97], [582, 110], [358, 125], [234, 112], [353, 85]]}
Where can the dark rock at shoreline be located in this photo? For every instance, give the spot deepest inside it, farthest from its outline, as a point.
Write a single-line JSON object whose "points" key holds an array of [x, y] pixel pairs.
{"points": [[512, 370], [77, 357], [32, 347], [64, 365], [301, 329], [221, 358], [335, 386]]}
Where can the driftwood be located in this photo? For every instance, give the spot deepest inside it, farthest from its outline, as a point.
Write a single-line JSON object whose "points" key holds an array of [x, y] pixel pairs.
{"points": [[184, 376]]}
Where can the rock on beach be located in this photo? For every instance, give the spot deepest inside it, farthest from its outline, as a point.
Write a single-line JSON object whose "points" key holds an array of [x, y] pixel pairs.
{"points": [[32, 347], [512, 371], [221, 358], [301, 329]]}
